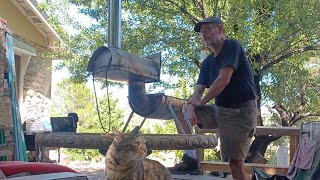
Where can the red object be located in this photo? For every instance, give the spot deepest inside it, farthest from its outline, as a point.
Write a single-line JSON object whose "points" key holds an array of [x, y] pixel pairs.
{"points": [[14, 167]]}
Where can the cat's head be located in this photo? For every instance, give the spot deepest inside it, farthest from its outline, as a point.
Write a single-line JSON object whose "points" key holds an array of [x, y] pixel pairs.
{"points": [[129, 145]]}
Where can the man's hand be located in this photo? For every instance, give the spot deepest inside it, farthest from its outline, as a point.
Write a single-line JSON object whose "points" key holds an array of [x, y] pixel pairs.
{"points": [[190, 111], [195, 101]]}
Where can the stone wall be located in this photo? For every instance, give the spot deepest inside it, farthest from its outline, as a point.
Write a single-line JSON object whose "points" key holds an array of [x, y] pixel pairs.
{"points": [[36, 84], [36, 104], [5, 103]]}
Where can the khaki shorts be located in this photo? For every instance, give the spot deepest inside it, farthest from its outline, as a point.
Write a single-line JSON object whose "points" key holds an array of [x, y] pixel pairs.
{"points": [[236, 127]]}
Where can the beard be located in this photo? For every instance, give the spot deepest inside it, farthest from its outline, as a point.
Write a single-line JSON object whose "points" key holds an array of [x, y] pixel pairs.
{"points": [[212, 42]]}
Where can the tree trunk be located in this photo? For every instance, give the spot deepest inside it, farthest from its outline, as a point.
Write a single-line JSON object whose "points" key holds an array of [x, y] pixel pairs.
{"points": [[260, 143], [257, 79], [258, 148]]}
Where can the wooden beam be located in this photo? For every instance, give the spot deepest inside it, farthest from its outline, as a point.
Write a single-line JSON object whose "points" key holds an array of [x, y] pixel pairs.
{"points": [[294, 141], [21, 1], [263, 130], [36, 20], [278, 131], [31, 14], [224, 167], [8, 145], [6, 153]]}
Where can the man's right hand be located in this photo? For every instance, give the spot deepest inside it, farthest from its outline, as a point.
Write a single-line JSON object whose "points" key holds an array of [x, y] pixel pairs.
{"points": [[190, 111]]}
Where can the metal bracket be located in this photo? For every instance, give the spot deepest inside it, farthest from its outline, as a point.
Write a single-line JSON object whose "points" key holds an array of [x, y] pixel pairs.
{"points": [[126, 125], [128, 121], [179, 126], [141, 124], [186, 118]]}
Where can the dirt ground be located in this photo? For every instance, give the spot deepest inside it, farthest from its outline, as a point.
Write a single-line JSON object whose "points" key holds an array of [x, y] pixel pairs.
{"points": [[94, 171]]}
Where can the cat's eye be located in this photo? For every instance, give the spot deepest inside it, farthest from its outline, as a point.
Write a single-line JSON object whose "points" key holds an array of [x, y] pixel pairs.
{"points": [[134, 144]]}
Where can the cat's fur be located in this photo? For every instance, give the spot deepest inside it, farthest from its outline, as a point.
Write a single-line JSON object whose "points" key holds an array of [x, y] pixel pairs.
{"points": [[126, 159]]}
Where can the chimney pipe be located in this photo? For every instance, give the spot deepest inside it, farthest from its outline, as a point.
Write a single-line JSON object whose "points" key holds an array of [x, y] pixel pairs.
{"points": [[114, 31]]}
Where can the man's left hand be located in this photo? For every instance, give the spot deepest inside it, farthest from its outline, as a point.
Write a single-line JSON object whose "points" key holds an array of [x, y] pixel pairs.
{"points": [[195, 101]]}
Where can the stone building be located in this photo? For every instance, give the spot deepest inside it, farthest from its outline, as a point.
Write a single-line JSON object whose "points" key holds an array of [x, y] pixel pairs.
{"points": [[32, 37]]}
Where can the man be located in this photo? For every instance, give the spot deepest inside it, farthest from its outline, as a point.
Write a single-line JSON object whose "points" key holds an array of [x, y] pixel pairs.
{"points": [[227, 74]]}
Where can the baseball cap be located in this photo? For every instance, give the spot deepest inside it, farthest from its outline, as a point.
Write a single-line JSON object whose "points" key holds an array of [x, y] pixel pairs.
{"points": [[212, 19]]}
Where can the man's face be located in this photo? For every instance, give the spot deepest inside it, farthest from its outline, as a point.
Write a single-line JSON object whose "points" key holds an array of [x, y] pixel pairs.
{"points": [[209, 33]]}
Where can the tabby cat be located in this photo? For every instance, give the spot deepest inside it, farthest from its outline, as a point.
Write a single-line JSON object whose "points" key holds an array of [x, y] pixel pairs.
{"points": [[126, 159]]}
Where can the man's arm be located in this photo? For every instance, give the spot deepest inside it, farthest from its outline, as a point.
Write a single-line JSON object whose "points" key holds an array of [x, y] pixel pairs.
{"points": [[218, 85], [198, 91], [190, 108], [216, 88]]}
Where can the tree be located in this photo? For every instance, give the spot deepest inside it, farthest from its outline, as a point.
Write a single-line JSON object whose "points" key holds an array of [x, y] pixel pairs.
{"points": [[281, 39], [76, 97]]}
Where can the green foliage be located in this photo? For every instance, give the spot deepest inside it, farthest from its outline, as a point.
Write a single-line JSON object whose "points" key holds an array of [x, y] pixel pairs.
{"points": [[281, 39], [77, 97], [273, 32], [82, 154], [211, 155], [71, 97]]}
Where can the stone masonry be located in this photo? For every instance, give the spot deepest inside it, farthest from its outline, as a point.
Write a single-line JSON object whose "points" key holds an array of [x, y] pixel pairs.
{"points": [[36, 93], [36, 105], [5, 103]]}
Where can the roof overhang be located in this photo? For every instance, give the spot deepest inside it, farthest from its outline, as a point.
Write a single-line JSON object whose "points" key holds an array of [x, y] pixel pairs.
{"points": [[38, 19]]}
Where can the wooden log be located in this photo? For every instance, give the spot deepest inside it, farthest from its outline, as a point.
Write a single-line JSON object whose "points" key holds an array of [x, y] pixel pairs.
{"points": [[102, 141]]}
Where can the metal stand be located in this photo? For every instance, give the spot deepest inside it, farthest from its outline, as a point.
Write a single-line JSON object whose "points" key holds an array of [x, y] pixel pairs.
{"points": [[40, 153], [186, 118], [175, 118], [126, 125], [179, 126]]}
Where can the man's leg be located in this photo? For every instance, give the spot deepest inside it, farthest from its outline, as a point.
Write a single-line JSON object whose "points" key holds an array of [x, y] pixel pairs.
{"points": [[237, 169], [235, 145]]}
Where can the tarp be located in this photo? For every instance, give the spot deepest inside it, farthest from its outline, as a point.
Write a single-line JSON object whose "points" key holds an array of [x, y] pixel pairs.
{"points": [[314, 172], [15, 167]]}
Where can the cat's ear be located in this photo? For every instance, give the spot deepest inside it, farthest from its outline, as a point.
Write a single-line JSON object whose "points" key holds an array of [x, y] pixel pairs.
{"points": [[135, 130], [115, 131]]}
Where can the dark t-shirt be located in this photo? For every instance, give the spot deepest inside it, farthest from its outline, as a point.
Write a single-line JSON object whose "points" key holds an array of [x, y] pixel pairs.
{"points": [[241, 85]]}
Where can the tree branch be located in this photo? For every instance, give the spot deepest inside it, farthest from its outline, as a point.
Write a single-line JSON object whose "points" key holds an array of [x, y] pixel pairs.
{"points": [[284, 36], [301, 116], [316, 87], [184, 11], [156, 10], [297, 51], [303, 92], [200, 5], [283, 113]]}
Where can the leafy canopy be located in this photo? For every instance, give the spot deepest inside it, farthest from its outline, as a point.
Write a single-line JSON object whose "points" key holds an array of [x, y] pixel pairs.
{"points": [[281, 39]]}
